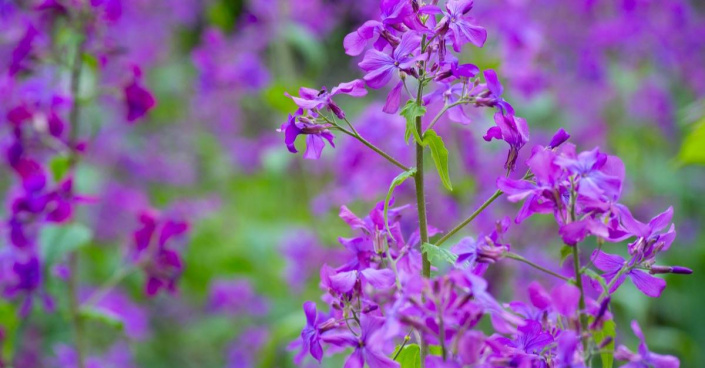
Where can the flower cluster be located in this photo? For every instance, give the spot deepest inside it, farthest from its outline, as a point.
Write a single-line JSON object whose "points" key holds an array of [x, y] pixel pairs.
{"points": [[398, 285]]}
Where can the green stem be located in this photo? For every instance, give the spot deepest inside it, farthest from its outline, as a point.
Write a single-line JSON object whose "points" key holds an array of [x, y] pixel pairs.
{"points": [[110, 284], [468, 220], [421, 195], [519, 258], [74, 118], [579, 284], [371, 146], [444, 110]]}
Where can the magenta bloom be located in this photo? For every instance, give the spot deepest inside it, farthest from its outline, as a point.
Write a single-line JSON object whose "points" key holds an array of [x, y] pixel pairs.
{"points": [[368, 345], [612, 263], [311, 99], [512, 130], [644, 358], [162, 265], [381, 68], [459, 26], [496, 90], [315, 134], [139, 100], [393, 13]]}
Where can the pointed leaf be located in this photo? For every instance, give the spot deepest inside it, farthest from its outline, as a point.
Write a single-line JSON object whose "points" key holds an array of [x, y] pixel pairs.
{"points": [[608, 329], [439, 153], [409, 356], [411, 111], [395, 183], [437, 253]]}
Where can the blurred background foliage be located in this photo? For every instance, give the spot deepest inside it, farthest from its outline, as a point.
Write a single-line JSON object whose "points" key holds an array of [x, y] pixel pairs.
{"points": [[258, 209]]}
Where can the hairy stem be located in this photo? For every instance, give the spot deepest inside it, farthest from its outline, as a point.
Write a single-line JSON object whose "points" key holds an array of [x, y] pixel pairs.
{"points": [[519, 258]]}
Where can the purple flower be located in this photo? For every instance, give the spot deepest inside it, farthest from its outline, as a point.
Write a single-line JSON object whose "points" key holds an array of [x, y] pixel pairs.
{"points": [[611, 264], [311, 333], [650, 237], [495, 91], [460, 26], [530, 339], [393, 12], [311, 99], [235, 297], [162, 265], [381, 68], [368, 345], [644, 358], [594, 173], [22, 51], [138, 99], [315, 134], [512, 130], [567, 352]]}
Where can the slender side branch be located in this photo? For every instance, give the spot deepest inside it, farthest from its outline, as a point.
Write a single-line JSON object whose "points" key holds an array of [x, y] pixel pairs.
{"points": [[444, 110], [468, 220], [519, 258], [74, 117], [367, 143]]}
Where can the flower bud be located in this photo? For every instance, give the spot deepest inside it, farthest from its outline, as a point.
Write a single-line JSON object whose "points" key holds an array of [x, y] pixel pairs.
{"points": [[559, 138]]}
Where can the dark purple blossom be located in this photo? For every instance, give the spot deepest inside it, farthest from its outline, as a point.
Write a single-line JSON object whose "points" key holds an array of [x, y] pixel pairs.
{"points": [[138, 99], [512, 130], [315, 135]]}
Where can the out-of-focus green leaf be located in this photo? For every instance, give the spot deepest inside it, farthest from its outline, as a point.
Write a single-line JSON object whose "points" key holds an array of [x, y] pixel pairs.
{"points": [[102, 316], [693, 148], [59, 166], [90, 61], [566, 251], [58, 241], [438, 253], [439, 153], [395, 183], [274, 96], [608, 330], [410, 112], [10, 323], [409, 356], [306, 44]]}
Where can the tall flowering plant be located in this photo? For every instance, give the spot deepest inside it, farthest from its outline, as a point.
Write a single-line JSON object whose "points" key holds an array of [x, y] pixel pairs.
{"points": [[48, 83], [404, 297]]}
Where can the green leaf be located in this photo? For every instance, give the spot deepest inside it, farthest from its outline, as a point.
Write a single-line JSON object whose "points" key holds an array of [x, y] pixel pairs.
{"points": [[59, 166], [693, 148], [608, 329], [439, 153], [10, 324], [409, 357], [411, 111], [57, 241], [395, 183], [100, 315], [90, 60], [566, 251], [437, 253]]}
